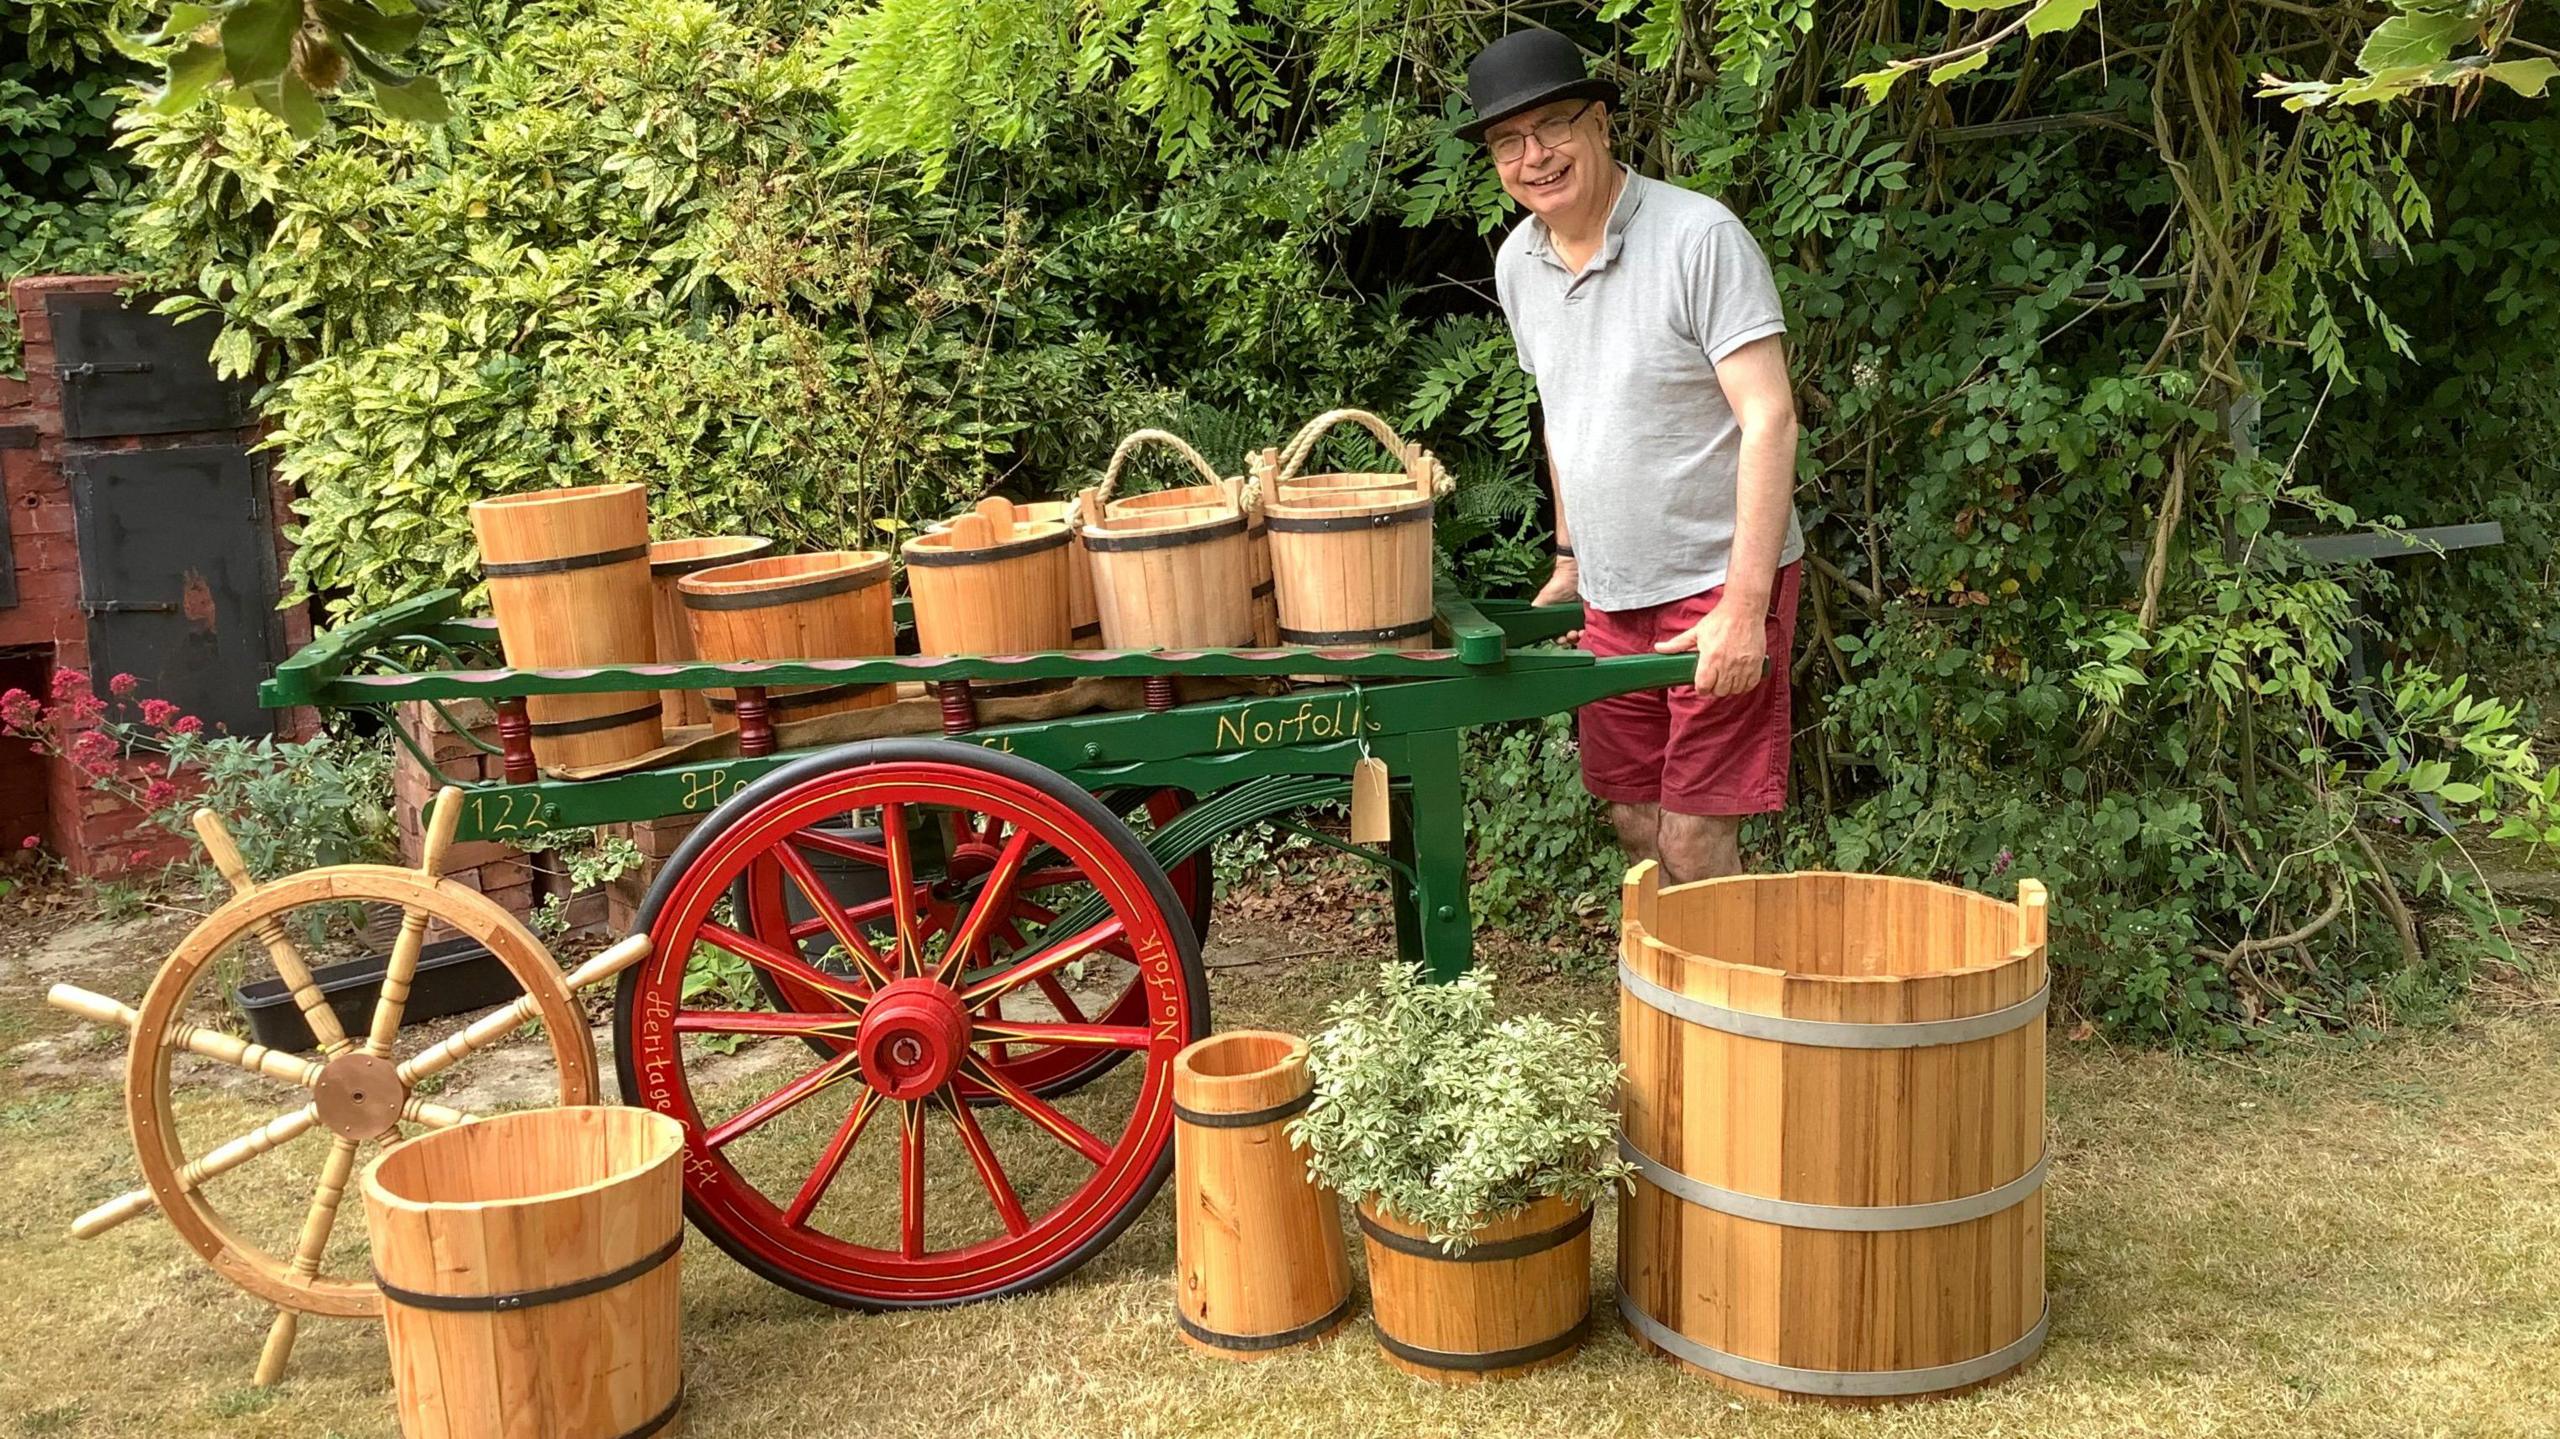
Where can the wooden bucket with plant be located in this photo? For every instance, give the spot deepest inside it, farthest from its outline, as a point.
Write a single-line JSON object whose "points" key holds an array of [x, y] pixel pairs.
{"points": [[1477, 1144]]}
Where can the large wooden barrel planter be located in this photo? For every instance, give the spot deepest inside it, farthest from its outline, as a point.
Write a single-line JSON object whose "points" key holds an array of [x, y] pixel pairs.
{"points": [[670, 561], [568, 574], [1211, 493], [1260, 1261], [528, 1272], [1352, 560], [1084, 621], [833, 605], [1835, 1105], [1517, 1300], [990, 584]]}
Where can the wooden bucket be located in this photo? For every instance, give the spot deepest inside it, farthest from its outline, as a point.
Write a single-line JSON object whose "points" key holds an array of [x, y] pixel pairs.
{"points": [[989, 584], [1835, 1103], [1213, 493], [568, 574], [1352, 562], [1169, 577], [670, 561], [528, 1269], [1261, 1266], [833, 605], [1084, 621], [1517, 1300]]}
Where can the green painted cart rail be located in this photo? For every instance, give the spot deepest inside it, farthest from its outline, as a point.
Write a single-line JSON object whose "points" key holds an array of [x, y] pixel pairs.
{"points": [[1247, 759]]}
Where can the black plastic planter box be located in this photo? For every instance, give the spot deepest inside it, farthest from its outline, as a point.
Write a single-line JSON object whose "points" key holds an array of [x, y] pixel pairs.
{"points": [[455, 976]]}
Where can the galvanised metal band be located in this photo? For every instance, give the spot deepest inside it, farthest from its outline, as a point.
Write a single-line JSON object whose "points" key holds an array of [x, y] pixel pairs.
{"points": [[1247, 1343], [1419, 513], [518, 569], [1830, 1034], [1520, 1248], [531, 1298], [1266, 589], [1853, 1218], [592, 724], [1493, 1359], [1086, 631], [662, 1419], [1836, 1383], [1005, 551], [1111, 544], [668, 569], [819, 589], [795, 700], [1354, 637], [1247, 1119]]}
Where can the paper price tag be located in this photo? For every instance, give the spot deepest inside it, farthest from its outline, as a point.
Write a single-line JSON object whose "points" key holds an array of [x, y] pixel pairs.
{"points": [[1369, 801]]}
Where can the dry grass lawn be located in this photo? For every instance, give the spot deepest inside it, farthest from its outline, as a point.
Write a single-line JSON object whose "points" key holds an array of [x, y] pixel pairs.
{"points": [[2337, 1242]]}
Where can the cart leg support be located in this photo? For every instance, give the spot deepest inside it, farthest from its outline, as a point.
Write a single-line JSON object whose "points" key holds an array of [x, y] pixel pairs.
{"points": [[1430, 834]]}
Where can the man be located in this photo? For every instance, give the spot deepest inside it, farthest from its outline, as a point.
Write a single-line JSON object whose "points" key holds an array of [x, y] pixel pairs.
{"points": [[1650, 321]]}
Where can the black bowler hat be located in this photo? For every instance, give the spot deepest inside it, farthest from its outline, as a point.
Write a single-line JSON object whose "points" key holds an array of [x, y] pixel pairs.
{"points": [[1523, 70]]}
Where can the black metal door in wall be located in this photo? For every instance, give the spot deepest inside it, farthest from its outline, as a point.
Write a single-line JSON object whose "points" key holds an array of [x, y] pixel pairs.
{"points": [[178, 576], [126, 371]]}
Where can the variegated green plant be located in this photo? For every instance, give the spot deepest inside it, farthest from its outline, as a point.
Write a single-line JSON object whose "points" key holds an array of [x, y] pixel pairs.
{"points": [[1449, 1115]]}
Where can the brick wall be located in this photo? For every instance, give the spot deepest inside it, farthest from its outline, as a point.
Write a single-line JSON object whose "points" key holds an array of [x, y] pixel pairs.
{"points": [[93, 834]]}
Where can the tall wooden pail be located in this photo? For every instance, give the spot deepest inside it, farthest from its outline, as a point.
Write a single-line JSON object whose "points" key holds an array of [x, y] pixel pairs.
{"points": [[568, 574]]}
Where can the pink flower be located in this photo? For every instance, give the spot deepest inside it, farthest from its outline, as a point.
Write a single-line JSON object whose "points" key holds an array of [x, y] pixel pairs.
{"points": [[159, 793], [30, 842], [187, 724], [67, 683], [20, 710], [123, 684], [138, 857], [158, 713]]}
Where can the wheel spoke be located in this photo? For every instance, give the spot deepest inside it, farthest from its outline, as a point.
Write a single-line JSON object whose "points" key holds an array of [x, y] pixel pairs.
{"points": [[911, 1180], [213, 1163], [838, 844], [993, 897], [1039, 1111], [814, 1188], [1048, 961], [1040, 879], [1102, 1036], [902, 883], [789, 966], [990, 1171], [814, 890], [433, 1115], [1058, 997], [762, 1021], [837, 1068]]}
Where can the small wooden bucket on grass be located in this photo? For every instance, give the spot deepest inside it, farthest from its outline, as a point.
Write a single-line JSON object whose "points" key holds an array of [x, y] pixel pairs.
{"points": [[1261, 1265], [1212, 493], [528, 1271], [670, 561], [568, 574], [833, 605], [1168, 576], [990, 584], [1353, 561], [1835, 1105], [1517, 1300]]}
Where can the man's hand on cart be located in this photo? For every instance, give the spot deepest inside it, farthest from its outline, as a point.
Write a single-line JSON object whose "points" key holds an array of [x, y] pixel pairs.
{"points": [[1563, 587]]}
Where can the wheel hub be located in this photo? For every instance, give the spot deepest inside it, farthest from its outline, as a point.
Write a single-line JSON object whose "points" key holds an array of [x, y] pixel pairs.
{"points": [[360, 1095], [913, 1034]]}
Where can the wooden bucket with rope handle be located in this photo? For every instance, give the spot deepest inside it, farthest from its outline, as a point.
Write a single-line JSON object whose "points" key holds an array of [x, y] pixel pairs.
{"points": [[1211, 493], [1352, 561], [1170, 576]]}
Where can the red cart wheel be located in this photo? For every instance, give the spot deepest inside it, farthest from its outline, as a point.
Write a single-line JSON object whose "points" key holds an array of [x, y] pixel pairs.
{"points": [[917, 1036], [951, 858]]}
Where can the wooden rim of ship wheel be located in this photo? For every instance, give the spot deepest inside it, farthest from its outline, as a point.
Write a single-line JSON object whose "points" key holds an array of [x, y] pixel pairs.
{"points": [[356, 1088]]}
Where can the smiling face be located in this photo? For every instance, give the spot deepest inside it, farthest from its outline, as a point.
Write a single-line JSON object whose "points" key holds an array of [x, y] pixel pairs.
{"points": [[1556, 180]]}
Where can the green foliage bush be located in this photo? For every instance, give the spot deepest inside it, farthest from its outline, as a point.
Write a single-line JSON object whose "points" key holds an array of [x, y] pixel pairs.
{"points": [[1449, 1116], [827, 271], [62, 184]]}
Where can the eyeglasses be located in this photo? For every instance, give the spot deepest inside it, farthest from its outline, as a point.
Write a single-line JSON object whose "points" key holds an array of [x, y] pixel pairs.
{"points": [[1551, 132]]}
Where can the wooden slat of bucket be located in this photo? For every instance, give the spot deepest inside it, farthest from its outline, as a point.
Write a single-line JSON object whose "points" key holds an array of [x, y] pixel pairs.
{"points": [[1473, 1310], [1260, 1264], [536, 1205], [1172, 579], [980, 591], [832, 605], [1845, 1313], [568, 574], [1084, 621], [672, 560]]}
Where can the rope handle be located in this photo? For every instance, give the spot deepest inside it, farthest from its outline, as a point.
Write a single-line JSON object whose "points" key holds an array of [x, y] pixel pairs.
{"points": [[1422, 468], [1120, 457]]}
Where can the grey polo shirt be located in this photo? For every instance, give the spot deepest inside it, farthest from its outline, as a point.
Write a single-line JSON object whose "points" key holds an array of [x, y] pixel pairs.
{"points": [[1645, 447]]}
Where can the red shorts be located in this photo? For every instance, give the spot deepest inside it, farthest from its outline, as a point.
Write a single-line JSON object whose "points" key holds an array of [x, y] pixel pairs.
{"points": [[1690, 753]]}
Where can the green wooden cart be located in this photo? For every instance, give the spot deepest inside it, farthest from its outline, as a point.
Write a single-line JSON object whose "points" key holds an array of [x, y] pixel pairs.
{"points": [[990, 919]]}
